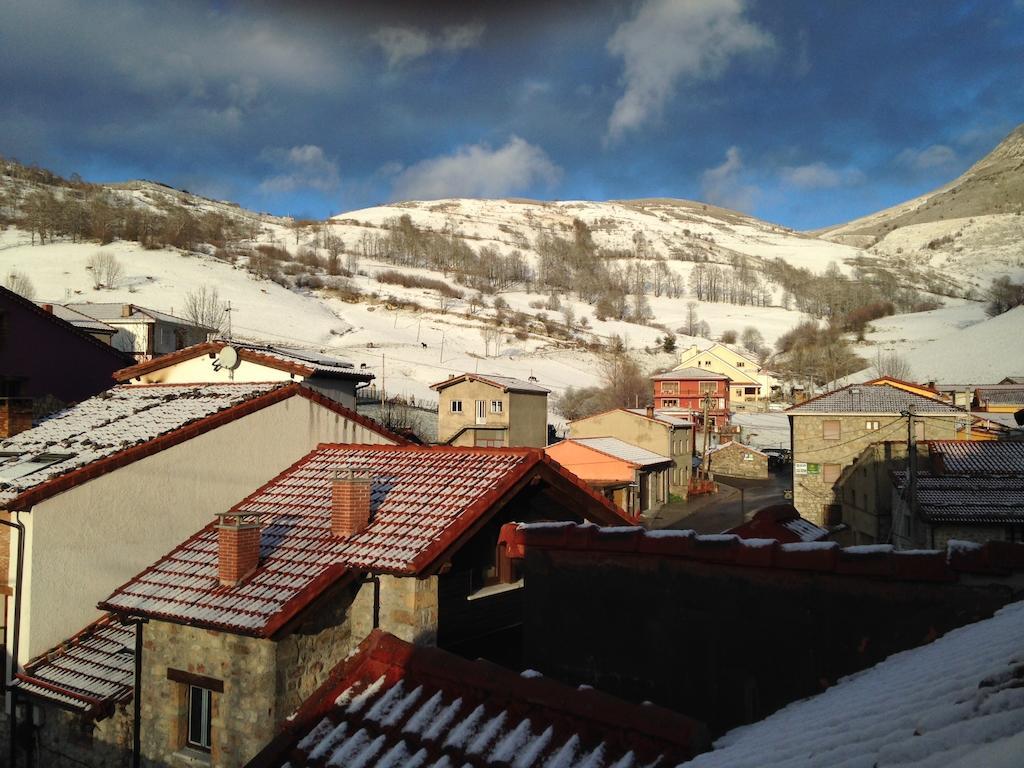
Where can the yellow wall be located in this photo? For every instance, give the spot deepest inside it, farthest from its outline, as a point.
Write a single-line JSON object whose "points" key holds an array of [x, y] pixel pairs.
{"points": [[525, 416]]}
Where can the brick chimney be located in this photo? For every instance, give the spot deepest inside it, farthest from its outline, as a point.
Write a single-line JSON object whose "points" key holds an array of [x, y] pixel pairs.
{"points": [[350, 502], [238, 547], [650, 411], [127, 310], [15, 415], [47, 308]]}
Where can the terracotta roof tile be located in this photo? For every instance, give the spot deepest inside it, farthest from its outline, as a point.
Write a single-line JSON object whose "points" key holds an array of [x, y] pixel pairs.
{"points": [[423, 499], [392, 704]]}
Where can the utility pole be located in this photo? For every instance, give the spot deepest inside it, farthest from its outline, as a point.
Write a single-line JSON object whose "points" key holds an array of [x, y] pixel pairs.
{"points": [[227, 311], [707, 435], [383, 390], [911, 461]]}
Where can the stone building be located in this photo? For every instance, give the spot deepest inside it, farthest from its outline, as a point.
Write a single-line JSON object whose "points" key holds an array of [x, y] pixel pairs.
{"points": [[734, 459], [240, 623], [659, 432], [828, 433], [968, 491], [491, 411]]}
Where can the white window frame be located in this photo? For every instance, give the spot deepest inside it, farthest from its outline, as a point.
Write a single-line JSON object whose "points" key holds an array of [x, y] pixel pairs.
{"points": [[872, 425], [456, 406], [205, 724], [497, 406]]}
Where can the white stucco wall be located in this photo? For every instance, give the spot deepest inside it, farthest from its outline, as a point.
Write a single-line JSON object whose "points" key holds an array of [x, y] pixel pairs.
{"points": [[87, 541]]}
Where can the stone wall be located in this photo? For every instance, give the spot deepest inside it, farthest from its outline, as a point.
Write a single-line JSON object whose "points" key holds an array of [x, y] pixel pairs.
{"points": [[723, 643], [64, 739], [811, 492], [736, 460]]}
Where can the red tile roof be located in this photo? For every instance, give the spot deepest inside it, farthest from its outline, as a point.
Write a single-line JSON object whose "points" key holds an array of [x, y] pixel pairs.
{"points": [[393, 704], [876, 561], [425, 503], [781, 522], [128, 423], [89, 673]]}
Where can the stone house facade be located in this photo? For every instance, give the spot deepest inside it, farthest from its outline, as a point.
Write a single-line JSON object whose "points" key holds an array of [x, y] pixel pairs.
{"points": [[491, 412], [734, 459], [829, 432]]}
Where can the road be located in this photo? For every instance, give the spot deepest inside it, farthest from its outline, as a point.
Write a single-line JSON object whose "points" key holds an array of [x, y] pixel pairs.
{"points": [[722, 511]]}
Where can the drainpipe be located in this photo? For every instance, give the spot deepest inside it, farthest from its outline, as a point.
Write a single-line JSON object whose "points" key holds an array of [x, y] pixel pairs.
{"points": [[137, 696], [19, 570]]}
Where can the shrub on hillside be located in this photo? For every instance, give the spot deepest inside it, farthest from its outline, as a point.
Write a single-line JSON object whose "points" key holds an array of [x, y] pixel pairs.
{"points": [[393, 277]]}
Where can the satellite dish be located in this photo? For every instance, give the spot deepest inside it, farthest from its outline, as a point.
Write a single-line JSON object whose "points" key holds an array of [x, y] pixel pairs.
{"points": [[228, 358]]}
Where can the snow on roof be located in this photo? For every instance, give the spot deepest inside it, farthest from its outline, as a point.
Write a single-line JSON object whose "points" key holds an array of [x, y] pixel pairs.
{"points": [[422, 500], [393, 704], [1000, 395], [108, 423], [689, 373], [620, 449], [781, 522], [506, 383], [667, 417], [78, 319], [963, 499], [732, 444], [114, 312], [873, 398], [956, 703], [89, 673], [320, 363], [985, 457]]}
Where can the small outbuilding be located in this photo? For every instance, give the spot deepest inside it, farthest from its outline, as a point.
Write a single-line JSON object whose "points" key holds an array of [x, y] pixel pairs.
{"points": [[734, 459]]}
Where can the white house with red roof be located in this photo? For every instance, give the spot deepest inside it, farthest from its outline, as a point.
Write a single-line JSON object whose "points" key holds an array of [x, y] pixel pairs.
{"points": [[224, 362], [96, 492], [246, 617]]}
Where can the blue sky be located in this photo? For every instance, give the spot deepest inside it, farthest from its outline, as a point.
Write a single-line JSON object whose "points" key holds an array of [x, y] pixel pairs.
{"points": [[804, 112]]}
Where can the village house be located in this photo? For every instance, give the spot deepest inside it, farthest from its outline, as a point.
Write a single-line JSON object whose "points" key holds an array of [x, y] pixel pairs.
{"points": [[998, 398], [144, 333], [635, 479], [98, 491], [239, 624], [38, 352], [968, 491], [828, 433], [491, 411], [749, 380], [659, 432], [864, 491], [733, 459], [435, 708], [223, 361]]}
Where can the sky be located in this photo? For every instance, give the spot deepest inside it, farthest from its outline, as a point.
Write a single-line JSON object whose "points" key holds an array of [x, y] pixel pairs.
{"points": [[802, 112]]}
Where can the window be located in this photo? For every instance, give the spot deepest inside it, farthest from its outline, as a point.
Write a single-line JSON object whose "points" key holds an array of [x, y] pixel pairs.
{"points": [[708, 387], [830, 472], [456, 406], [10, 470], [751, 391], [497, 406], [670, 387], [199, 719], [831, 429], [739, 364], [669, 403], [737, 391], [871, 426]]}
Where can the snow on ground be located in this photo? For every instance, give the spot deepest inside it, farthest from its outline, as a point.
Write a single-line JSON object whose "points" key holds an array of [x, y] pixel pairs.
{"points": [[956, 703], [764, 430], [918, 327]]}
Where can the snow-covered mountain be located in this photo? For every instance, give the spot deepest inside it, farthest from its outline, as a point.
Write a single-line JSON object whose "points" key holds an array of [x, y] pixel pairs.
{"points": [[961, 235]]}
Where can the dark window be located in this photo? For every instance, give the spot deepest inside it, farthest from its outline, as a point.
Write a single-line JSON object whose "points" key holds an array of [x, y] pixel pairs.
{"points": [[199, 718]]}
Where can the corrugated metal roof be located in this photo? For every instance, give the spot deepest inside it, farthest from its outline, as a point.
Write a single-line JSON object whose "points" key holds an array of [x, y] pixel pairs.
{"points": [[88, 673], [422, 499], [620, 449], [873, 398], [109, 423], [319, 362], [393, 704]]}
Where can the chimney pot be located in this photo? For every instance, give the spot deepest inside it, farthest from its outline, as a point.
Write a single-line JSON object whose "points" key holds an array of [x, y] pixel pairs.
{"points": [[238, 547], [350, 502], [15, 415], [650, 411], [48, 308], [127, 310]]}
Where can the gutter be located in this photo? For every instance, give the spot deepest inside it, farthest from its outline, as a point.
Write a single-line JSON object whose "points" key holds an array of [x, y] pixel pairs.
{"points": [[7, 684]]}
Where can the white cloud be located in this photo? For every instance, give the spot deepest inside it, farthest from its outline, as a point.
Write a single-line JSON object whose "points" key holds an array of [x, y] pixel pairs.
{"points": [[402, 45], [669, 40], [305, 167], [477, 170], [935, 156], [819, 176], [723, 185]]}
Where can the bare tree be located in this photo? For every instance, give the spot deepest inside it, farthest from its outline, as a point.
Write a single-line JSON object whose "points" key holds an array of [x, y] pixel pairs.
{"points": [[106, 269], [752, 339], [204, 308], [20, 284], [492, 337], [892, 364], [691, 318]]}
